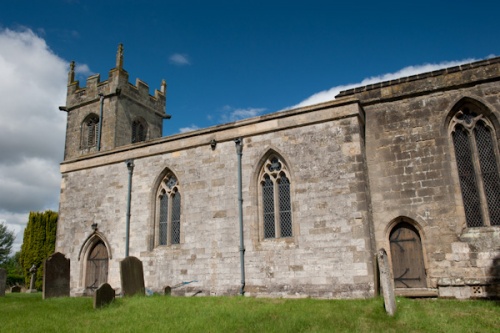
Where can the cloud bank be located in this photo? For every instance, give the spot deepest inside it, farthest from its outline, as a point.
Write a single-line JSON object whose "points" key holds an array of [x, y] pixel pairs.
{"points": [[32, 86]]}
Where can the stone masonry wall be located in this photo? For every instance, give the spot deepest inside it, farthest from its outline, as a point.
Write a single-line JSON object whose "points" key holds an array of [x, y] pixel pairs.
{"points": [[329, 255], [413, 174]]}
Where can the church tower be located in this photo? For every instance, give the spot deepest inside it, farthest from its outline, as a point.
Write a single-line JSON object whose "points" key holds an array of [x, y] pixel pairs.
{"points": [[113, 113]]}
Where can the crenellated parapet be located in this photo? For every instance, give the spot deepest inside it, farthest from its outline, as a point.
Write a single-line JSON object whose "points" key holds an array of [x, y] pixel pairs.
{"points": [[117, 83]]}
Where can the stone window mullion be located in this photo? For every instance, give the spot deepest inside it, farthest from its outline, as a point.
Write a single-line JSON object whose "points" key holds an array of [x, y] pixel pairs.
{"points": [[479, 178]]}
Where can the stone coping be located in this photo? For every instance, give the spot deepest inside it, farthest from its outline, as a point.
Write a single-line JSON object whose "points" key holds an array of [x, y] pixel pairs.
{"points": [[447, 78]]}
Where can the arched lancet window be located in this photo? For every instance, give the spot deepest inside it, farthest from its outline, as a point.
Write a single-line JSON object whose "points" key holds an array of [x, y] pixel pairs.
{"points": [[90, 129], [274, 182], [476, 154], [138, 131], [169, 211]]}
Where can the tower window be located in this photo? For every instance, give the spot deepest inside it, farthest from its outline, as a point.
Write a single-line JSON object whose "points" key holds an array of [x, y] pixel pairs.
{"points": [[138, 131], [90, 129]]}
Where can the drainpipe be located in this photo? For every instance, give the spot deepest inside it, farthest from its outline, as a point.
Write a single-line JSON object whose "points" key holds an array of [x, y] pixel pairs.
{"points": [[130, 167], [239, 149], [101, 95]]}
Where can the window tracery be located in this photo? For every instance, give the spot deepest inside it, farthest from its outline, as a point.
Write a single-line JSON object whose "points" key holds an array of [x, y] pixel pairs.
{"points": [[169, 211], [476, 154], [275, 197]]}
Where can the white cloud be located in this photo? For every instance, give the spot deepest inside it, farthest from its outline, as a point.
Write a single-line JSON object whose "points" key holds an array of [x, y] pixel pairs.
{"points": [[179, 59], [188, 129], [231, 114], [32, 86], [328, 95], [83, 70]]}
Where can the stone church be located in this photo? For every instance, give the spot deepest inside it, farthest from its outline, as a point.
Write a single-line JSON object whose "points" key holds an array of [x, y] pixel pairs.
{"points": [[291, 204]]}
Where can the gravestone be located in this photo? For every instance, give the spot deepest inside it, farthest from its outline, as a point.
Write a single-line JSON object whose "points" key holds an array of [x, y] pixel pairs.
{"points": [[386, 282], [3, 281], [33, 271], [103, 295], [56, 276], [15, 289], [132, 276]]}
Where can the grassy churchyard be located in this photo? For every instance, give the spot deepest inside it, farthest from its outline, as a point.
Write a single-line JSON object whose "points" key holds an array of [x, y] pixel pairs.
{"points": [[29, 313]]}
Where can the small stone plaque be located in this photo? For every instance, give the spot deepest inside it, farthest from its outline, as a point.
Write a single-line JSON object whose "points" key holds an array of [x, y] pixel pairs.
{"points": [[3, 281], [132, 276], [103, 295], [56, 276]]}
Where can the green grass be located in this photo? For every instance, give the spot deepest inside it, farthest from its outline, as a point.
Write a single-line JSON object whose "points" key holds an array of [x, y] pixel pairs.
{"points": [[29, 313]]}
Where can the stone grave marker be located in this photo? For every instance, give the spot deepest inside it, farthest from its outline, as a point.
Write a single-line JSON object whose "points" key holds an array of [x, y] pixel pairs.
{"points": [[103, 295], [3, 281], [15, 289], [33, 271], [386, 282], [132, 276], [56, 276]]}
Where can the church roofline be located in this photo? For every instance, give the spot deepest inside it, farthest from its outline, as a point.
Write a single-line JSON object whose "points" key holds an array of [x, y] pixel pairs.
{"points": [[442, 79], [281, 120]]}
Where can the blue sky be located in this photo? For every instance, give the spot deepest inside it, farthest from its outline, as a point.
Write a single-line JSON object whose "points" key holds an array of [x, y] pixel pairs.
{"points": [[222, 60]]}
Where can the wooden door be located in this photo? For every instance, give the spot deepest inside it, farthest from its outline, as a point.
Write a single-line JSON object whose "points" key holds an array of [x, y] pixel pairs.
{"points": [[97, 267], [407, 257]]}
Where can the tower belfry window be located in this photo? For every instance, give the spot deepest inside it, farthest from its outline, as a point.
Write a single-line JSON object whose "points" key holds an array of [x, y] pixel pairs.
{"points": [[90, 129], [138, 131], [476, 154]]}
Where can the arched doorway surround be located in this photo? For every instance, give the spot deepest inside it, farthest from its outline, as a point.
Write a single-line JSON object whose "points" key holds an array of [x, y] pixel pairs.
{"points": [[407, 257]]}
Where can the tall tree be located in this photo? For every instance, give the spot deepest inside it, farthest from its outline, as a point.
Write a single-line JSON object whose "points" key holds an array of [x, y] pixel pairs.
{"points": [[6, 240], [39, 242]]}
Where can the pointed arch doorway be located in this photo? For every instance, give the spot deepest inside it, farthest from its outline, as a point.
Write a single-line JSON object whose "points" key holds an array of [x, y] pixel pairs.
{"points": [[97, 267], [407, 256]]}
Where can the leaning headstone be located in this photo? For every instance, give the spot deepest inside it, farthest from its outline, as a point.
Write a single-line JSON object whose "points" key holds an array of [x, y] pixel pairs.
{"points": [[56, 276], [3, 281], [132, 276], [386, 282], [15, 289], [103, 295], [32, 271], [168, 291]]}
